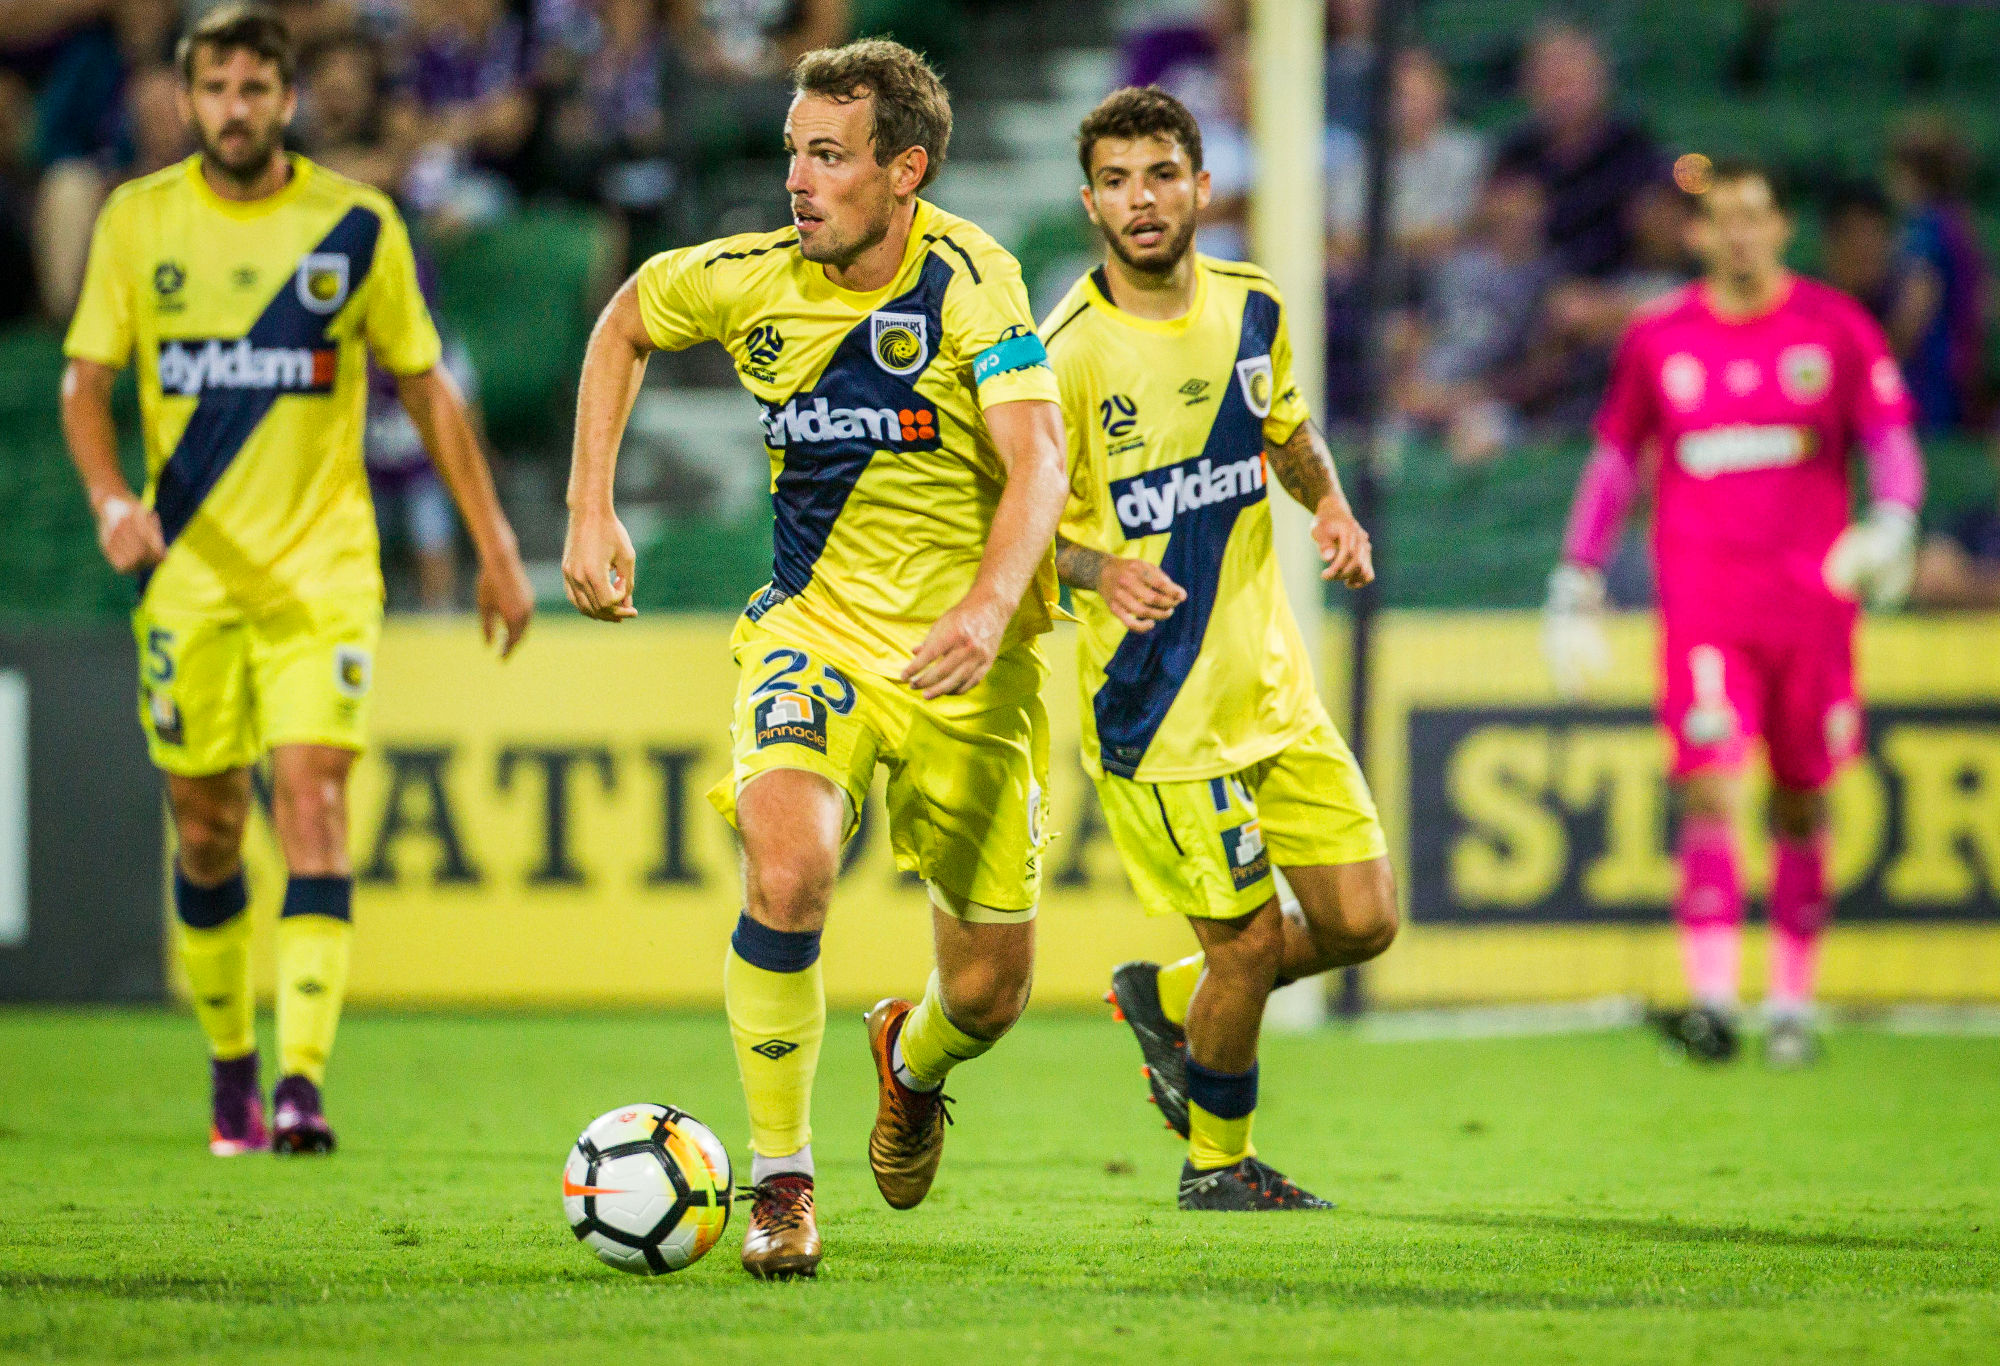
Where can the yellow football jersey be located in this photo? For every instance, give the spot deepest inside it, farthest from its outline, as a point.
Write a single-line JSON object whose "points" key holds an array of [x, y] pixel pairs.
{"points": [[250, 324], [1167, 424], [884, 479]]}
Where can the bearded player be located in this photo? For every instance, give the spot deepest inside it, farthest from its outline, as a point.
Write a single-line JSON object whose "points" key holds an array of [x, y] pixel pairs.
{"points": [[249, 288], [1213, 758], [1747, 392], [917, 477]]}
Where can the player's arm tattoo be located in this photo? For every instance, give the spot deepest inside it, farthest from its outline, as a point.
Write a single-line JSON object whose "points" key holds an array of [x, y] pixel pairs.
{"points": [[1078, 565], [1304, 465]]}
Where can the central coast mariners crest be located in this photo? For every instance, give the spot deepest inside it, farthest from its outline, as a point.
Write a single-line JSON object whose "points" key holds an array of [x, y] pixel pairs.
{"points": [[900, 341], [323, 282], [791, 718], [1255, 377]]}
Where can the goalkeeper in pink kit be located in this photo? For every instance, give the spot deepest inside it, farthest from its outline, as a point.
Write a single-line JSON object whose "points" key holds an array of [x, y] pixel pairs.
{"points": [[1742, 397]]}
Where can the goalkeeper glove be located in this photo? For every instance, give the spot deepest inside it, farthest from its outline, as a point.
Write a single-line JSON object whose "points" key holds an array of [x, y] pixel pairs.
{"points": [[1876, 558], [1573, 638]]}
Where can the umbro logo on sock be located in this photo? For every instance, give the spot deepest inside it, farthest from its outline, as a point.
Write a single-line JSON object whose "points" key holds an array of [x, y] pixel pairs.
{"points": [[774, 1049], [309, 988]]}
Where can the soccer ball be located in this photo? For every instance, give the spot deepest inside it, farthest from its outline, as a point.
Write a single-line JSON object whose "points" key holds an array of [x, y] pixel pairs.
{"points": [[647, 1187]]}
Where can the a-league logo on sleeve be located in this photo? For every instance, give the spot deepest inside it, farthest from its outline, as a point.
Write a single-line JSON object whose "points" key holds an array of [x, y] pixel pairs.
{"points": [[791, 718]]}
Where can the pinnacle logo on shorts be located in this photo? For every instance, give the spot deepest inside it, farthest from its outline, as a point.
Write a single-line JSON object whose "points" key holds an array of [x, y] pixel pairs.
{"points": [[191, 368], [817, 423], [791, 718], [1243, 846], [1148, 504], [774, 1049], [350, 671], [165, 715]]}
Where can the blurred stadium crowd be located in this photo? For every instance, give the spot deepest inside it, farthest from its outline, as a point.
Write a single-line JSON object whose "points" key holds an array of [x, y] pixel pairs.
{"points": [[542, 147]]}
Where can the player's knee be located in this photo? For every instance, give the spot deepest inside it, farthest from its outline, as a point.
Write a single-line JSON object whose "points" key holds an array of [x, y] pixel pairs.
{"points": [[1798, 813], [210, 837], [789, 893], [1370, 920], [986, 999], [1249, 958]]}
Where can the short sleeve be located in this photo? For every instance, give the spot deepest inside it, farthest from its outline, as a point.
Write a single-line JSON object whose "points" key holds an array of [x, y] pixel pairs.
{"points": [[398, 326], [988, 323], [677, 299], [1876, 395], [1627, 415], [1288, 406], [101, 329]]}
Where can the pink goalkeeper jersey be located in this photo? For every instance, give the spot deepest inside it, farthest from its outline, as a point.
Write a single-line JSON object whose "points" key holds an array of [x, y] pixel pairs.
{"points": [[1751, 422]]}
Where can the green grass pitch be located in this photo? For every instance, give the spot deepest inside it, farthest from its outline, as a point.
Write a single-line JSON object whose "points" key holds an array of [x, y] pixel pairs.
{"points": [[1556, 1199]]}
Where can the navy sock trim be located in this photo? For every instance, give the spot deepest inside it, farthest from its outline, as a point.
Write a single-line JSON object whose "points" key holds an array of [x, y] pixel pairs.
{"points": [[774, 950], [327, 896], [205, 908], [1226, 1095]]}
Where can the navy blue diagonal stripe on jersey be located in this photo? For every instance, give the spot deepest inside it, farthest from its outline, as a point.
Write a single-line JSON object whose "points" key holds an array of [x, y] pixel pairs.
{"points": [[1145, 673], [818, 475], [223, 419]]}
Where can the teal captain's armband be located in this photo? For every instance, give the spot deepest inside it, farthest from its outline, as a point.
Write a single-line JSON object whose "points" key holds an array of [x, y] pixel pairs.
{"points": [[1009, 353]]}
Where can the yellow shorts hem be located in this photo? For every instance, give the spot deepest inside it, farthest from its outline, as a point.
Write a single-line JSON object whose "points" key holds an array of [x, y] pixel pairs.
{"points": [[973, 912]]}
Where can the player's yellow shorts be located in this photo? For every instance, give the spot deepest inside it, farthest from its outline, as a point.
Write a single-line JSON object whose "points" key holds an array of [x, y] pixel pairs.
{"points": [[218, 691], [1205, 848], [967, 773]]}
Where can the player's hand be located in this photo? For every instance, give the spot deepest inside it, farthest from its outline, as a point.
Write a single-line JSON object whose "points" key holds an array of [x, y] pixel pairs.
{"points": [[1343, 543], [1138, 592], [506, 600], [597, 566], [960, 648], [1573, 628], [129, 535], [1876, 558]]}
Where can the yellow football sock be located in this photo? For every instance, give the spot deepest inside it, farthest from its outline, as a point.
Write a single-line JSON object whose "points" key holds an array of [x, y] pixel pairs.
{"points": [[777, 1020], [217, 962], [1177, 983], [1217, 1142], [312, 983], [931, 1044]]}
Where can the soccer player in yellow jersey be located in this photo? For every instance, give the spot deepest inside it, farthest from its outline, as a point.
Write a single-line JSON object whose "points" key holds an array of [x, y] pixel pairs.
{"points": [[248, 288], [917, 477], [1213, 757]]}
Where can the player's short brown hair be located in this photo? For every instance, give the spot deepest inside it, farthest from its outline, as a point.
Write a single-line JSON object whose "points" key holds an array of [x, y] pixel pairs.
{"points": [[239, 27], [911, 106], [1727, 170], [1138, 111]]}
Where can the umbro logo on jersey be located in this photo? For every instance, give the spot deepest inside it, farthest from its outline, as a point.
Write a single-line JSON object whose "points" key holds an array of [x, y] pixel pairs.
{"points": [[817, 422], [1148, 504], [191, 368], [1194, 391]]}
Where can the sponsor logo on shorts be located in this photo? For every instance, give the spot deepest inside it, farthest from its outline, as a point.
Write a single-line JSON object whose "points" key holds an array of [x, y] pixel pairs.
{"points": [[1243, 845], [1730, 450], [351, 671], [1254, 375], [1148, 504], [1805, 372], [165, 714], [774, 1049], [791, 718]]}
